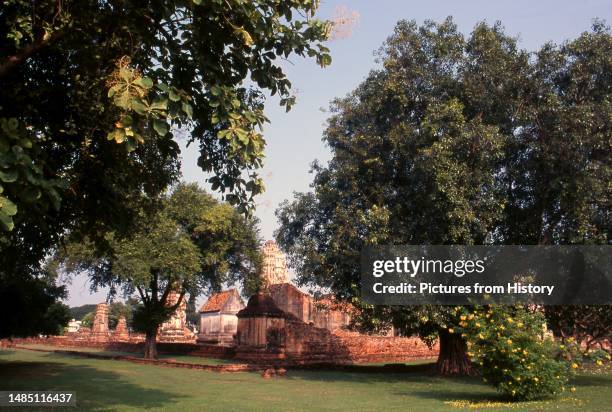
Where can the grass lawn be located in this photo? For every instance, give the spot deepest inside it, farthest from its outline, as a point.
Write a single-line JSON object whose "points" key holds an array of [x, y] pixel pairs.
{"points": [[125, 386], [179, 358]]}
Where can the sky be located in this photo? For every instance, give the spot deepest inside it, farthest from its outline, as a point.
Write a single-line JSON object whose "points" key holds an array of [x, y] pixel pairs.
{"points": [[294, 138]]}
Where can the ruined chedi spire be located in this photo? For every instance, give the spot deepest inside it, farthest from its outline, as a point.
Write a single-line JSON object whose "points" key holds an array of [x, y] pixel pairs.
{"points": [[274, 269]]}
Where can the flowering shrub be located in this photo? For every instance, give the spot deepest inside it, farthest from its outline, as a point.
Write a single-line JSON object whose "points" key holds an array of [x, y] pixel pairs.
{"points": [[507, 344]]}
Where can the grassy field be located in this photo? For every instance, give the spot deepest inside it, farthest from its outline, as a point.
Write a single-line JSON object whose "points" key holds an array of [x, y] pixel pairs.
{"points": [[124, 386], [179, 358]]}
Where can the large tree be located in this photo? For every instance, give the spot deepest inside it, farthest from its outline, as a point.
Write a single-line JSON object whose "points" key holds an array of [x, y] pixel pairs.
{"points": [[95, 93], [193, 244], [457, 140]]}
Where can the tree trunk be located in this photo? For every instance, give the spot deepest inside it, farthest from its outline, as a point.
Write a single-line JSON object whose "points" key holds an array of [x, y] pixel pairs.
{"points": [[453, 359], [150, 350]]}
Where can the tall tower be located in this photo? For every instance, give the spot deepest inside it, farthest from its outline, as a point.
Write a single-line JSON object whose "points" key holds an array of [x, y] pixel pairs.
{"points": [[274, 270]]}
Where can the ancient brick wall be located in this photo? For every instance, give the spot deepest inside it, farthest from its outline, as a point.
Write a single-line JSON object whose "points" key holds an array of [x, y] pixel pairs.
{"points": [[306, 344], [291, 300]]}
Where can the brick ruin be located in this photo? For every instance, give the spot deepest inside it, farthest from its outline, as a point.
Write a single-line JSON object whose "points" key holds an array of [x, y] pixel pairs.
{"points": [[284, 324], [99, 329], [267, 334], [174, 330], [121, 332]]}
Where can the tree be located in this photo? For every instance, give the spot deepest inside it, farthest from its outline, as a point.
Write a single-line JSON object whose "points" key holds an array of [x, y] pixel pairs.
{"points": [[95, 95], [590, 326], [456, 140], [191, 245], [118, 309], [79, 312], [37, 300]]}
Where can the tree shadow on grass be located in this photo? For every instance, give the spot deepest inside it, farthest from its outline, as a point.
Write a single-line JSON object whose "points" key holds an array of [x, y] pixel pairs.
{"points": [[592, 380], [378, 374], [95, 389]]}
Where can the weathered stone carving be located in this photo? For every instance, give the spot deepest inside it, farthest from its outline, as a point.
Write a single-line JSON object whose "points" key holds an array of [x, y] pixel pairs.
{"points": [[274, 270]]}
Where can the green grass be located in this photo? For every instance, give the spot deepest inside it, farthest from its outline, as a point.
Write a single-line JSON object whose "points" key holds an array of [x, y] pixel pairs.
{"points": [[200, 360], [125, 386]]}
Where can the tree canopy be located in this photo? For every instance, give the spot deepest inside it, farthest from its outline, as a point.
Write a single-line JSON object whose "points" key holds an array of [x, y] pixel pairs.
{"points": [[457, 140], [191, 245], [95, 96]]}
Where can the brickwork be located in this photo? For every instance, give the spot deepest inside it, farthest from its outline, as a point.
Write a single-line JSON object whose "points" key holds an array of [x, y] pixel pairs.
{"points": [[266, 334], [99, 329], [121, 332]]}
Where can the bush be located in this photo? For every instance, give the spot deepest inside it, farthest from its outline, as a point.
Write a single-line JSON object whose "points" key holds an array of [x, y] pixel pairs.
{"points": [[509, 347]]}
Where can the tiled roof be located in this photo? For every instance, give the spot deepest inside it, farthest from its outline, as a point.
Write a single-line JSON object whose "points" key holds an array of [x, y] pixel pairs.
{"points": [[216, 301]]}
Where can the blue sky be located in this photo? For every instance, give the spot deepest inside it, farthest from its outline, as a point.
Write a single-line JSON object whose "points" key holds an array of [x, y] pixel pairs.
{"points": [[294, 138]]}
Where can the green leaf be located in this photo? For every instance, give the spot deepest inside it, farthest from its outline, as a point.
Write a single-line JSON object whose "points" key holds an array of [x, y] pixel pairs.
{"points": [[9, 208], [174, 96], [188, 110], [27, 143], [6, 222], [161, 127], [139, 107], [159, 104], [31, 194], [144, 82], [198, 2], [163, 87], [8, 176]]}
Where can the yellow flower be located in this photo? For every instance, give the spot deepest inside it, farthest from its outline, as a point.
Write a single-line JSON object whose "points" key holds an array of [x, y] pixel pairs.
{"points": [[599, 362], [574, 365], [462, 317], [451, 330], [481, 336], [470, 316], [509, 341], [520, 324], [536, 379], [573, 389], [477, 325], [561, 346], [510, 320]]}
